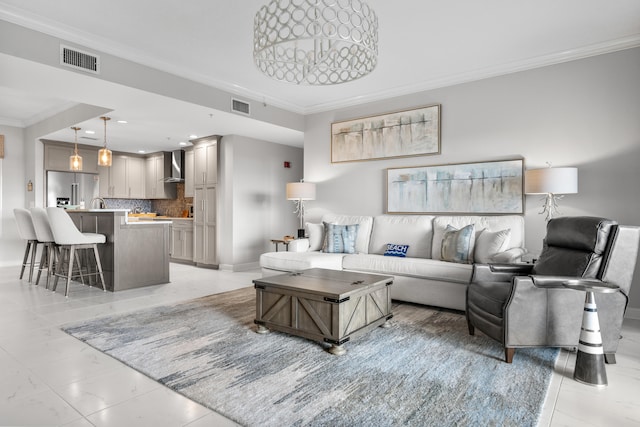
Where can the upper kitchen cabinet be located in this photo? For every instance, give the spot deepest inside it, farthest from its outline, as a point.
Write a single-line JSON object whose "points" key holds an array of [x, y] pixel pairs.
{"points": [[124, 179], [156, 170], [205, 160], [56, 156], [189, 163]]}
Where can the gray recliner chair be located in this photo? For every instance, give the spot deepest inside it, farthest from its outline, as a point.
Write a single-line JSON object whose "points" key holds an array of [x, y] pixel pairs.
{"points": [[527, 305]]}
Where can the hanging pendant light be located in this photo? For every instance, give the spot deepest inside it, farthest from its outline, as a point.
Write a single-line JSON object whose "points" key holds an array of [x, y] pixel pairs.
{"points": [[104, 155], [75, 161]]}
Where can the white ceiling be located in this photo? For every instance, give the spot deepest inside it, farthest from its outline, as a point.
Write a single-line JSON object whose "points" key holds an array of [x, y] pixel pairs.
{"points": [[424, 44]]}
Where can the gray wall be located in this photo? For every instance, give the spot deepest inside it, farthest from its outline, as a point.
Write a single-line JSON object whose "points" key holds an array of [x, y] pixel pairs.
{"points": [[13, 187], [252, 204], [583, 113]]}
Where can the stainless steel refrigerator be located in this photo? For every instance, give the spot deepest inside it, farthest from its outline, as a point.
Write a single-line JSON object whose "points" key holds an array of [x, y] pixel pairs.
{"points": [[71, 188]]}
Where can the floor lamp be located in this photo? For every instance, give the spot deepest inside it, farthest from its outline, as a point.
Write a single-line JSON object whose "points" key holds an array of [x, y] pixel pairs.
{"points": [[553, 183], [299, 192]]}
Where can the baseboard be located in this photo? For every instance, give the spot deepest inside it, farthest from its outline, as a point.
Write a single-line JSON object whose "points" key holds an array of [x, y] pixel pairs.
{"points": [[632, 313], [240, 267]]}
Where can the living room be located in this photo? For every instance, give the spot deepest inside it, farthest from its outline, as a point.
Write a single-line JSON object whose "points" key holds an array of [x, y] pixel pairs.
{"points": [[581, 113]]}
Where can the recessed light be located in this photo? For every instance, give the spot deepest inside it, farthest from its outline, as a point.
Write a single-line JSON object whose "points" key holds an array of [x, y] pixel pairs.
{"points": [[182, 143], [193, 136], [90, 132], [124, 122], [141, 151]]}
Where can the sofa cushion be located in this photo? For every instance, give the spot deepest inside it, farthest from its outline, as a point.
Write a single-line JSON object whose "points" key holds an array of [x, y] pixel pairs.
{"points": [[364, 229], [490, 243], [296, 261], [413, 267], [491, 223], [316, 236], [457, 245], [340, 239], [413, 230]]}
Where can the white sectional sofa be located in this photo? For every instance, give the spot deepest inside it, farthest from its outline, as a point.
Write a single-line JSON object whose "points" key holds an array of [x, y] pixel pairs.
{"points": [[422, 276]]}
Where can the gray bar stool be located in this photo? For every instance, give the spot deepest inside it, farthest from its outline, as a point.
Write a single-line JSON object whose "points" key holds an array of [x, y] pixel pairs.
{"points": [[45, 236], [70, 239], [28, 233]]}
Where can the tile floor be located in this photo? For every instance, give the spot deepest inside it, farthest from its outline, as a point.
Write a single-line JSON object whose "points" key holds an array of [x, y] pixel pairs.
{"points": [[49, 378]]}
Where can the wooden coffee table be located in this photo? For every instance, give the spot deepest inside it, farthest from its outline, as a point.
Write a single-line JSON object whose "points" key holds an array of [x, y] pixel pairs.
{"points": [[328, 306]]}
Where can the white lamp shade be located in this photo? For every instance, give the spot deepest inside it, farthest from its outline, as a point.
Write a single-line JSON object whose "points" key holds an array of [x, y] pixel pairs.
{"points": [[301, 191], [551, 180]]}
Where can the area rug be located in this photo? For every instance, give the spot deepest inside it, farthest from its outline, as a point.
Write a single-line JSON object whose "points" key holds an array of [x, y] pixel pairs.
{"points": [[424, 370]]}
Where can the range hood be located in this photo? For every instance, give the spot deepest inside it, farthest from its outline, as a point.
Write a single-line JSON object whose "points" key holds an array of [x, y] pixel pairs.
{"points": [[173, 166]]}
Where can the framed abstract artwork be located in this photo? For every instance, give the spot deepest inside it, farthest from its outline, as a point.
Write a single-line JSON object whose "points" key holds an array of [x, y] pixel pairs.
{"points": [[494, 187], [406, 133]]}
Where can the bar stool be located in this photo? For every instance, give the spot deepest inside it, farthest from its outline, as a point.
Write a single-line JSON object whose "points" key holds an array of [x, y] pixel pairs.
{"points": [[28, 233], [45, 236], [70, 239]]}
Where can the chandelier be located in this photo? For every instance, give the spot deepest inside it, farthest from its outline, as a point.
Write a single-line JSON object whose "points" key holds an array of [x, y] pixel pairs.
{"points": [[104, 155], [315, 42], [75, 160]]}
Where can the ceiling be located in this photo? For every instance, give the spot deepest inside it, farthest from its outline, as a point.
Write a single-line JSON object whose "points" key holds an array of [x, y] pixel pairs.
{"points": [[424, 44]]}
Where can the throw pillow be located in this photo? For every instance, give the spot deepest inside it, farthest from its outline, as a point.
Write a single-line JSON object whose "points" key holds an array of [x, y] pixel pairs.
{"points": [[490, 243], [340, 238], [316, 236], [396, 250], [457, 245]]}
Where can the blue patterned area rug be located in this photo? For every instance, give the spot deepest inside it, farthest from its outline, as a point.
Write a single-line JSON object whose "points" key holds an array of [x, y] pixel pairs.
{"points": [[424, 370]]}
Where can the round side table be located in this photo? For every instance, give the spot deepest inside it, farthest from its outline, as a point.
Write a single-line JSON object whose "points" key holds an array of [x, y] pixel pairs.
{"points": [[590, 367]]}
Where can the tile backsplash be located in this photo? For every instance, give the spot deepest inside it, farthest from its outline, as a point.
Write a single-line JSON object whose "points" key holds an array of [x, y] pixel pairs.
{"points": [[174, 207], [169, 207]]}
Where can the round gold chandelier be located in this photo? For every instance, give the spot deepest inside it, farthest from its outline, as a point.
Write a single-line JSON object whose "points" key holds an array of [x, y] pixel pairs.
{"points": [[315, 42]]}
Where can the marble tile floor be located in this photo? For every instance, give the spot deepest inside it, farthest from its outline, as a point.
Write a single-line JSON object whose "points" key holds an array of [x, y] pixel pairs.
{"points": [[50, 378]]}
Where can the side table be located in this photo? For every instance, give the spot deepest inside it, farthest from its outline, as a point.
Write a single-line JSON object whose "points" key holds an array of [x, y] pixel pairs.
{"points": [[278, 241], [590, 368]]}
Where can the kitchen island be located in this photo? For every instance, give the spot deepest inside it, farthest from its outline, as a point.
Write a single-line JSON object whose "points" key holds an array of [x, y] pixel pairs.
{"points": [[135, 254]]}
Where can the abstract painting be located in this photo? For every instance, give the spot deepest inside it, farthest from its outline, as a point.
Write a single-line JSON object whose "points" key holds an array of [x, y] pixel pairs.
{"points": [[479, 188], [401, 134]]}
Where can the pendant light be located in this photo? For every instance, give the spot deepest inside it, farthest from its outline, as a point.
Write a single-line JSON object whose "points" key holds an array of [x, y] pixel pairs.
{"points": [[104, 155], [75, 161]]}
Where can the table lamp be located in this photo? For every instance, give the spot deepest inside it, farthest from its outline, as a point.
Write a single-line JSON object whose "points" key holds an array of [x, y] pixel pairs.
{"points": [[299, 192], [553, 183]]}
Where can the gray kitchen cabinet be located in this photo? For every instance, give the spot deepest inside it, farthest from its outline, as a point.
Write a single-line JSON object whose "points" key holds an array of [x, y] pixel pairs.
{"points": [[204, 225], [124, 179], [189, 164], [56, 157], [155, 186], [182, 240]]}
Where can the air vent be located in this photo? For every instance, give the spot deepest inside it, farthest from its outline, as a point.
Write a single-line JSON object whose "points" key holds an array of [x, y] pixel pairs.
{"points": [[88, 137], [241, 107], [79, 60]]}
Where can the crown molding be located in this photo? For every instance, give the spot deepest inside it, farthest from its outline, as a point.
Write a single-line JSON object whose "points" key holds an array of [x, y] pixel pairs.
{"points": [[6, 121], [485, 73], [90, 41]]}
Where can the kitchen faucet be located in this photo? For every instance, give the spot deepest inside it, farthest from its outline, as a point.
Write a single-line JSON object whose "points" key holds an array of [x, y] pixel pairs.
{"points": [[101, 205]]}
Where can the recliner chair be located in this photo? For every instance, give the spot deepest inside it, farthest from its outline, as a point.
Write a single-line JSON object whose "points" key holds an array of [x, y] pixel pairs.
{"points": [[523, 305]]}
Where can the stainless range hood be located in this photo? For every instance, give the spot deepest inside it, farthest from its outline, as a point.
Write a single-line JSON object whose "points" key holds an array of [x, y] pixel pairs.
{"points": [[173, 166]]}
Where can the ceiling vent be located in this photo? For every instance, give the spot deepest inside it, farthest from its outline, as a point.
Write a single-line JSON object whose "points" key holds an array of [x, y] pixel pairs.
{"points": [[79, 60], [241, 107], [89, 137]]}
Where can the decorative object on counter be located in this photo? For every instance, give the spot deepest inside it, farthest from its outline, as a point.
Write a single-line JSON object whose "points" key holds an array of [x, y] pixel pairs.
{"points": [[206, 350], [414, 132], [478, 188], [299, 192], [315, 43], [553, 183], [104, 155], [75, 161]]}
